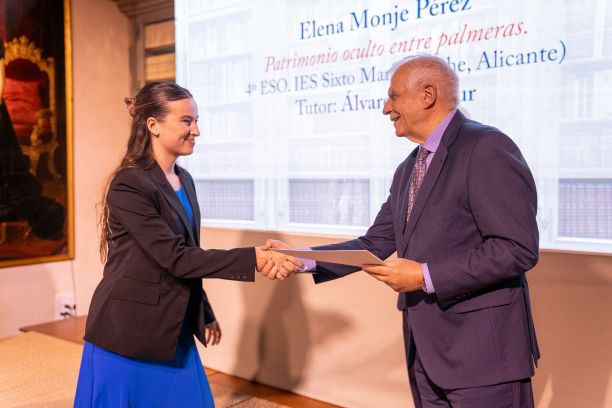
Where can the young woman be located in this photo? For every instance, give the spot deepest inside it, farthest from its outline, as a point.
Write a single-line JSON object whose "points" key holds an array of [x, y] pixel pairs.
{"points": [[139, 347]]}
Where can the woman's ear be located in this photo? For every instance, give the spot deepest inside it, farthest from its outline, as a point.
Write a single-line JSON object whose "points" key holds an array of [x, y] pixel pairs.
{"points": [[152, 126]]}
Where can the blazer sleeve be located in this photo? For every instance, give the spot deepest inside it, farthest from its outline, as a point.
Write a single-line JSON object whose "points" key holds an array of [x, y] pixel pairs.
{"points": [[503, 202], [132, 202]]}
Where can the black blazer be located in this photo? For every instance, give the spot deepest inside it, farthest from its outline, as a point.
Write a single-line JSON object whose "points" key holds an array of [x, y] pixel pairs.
{"points": [[152, 277]]}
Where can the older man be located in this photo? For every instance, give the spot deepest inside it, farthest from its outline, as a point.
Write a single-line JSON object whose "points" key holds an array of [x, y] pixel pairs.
{"points": [[461, 215]]}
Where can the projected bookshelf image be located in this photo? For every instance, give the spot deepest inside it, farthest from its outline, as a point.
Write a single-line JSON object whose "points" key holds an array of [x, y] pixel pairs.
{"points": [[291, 96]]}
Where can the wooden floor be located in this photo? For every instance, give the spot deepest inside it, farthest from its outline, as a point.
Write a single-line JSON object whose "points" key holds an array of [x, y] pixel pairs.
{"points": [[73, 330]]}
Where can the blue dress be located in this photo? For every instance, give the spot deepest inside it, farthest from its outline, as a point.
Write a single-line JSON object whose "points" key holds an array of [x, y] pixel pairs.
{"points": [[107, 379]]}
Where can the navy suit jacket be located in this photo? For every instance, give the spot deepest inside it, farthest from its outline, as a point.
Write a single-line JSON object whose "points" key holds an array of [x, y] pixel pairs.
{"points": [[474, 224], [153, 275]]}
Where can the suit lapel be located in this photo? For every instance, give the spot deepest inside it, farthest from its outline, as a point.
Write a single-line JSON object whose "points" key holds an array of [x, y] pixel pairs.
{"points": [[162, 184], [428, 183], [433, 172]]}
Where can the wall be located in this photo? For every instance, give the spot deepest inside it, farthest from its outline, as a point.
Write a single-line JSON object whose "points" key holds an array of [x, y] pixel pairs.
{"points": [[101, 125], [342, 342]]}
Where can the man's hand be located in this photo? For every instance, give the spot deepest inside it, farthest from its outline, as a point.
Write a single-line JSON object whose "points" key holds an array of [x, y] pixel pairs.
{"points": [[402, 275], [274, 265], [213, 333], [274, 244]]}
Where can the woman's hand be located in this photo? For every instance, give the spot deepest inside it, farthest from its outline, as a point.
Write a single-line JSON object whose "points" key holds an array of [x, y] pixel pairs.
{"points": [[213, 333], [275, 265]]}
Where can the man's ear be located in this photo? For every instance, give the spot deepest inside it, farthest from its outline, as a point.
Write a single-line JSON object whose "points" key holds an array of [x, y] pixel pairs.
{"points": [[152, 126], [430, 96]]}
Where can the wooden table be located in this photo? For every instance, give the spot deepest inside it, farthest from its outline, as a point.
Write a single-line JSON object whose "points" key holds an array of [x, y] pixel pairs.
{"points": [[68, 329], [74, 329]]}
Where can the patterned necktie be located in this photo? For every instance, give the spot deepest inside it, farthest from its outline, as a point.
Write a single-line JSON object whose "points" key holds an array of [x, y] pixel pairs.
{"points": [[418, 174]]}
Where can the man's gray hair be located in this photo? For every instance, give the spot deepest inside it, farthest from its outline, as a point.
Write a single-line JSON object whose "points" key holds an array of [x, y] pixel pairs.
{"points": [[431, 69]]}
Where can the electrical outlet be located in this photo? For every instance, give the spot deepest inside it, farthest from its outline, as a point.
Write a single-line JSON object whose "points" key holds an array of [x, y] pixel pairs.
{"points": [[65, 306]]}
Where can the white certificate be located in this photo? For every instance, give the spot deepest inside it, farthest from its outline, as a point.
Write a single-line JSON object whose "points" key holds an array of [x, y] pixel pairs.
{"points": [[343, 257]]}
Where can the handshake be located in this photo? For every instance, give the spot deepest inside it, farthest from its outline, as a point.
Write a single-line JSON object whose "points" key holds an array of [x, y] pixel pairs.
{"points": [[401, 275], [274, 265]]}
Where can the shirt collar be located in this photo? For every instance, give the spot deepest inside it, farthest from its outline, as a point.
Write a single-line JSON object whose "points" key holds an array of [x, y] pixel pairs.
{"points": [[434, 139]]}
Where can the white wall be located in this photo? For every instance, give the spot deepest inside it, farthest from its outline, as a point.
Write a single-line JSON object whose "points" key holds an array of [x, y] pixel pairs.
{"points": [[341, 341]]}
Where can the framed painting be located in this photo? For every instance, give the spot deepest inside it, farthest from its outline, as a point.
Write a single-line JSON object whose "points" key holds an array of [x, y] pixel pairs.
{"points": [[36, 181]]}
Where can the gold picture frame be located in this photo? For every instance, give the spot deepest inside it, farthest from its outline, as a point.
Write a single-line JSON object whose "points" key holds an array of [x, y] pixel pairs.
{"points": [[36, 139]]}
